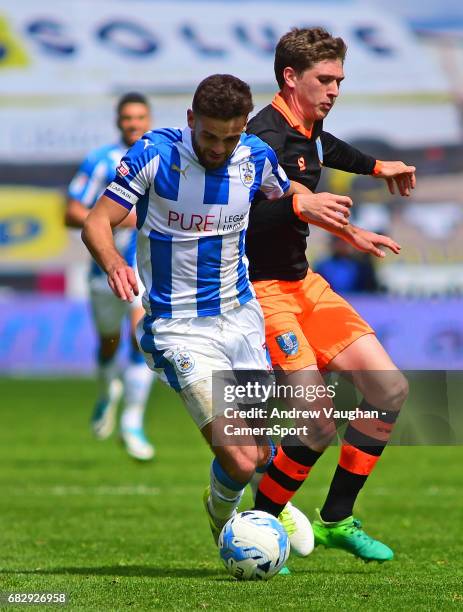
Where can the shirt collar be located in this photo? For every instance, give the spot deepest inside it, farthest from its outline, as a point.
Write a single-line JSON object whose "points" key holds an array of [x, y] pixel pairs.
{"points": [[280, 105]]}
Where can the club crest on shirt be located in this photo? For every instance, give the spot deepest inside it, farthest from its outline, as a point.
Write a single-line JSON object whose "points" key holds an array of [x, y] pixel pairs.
{"points": [[184, 362], [123, 169], [247, 173], [288, 343]]}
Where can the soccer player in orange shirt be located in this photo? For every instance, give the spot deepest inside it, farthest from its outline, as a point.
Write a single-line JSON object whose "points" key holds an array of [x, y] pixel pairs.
{"points": [[308, 326]]}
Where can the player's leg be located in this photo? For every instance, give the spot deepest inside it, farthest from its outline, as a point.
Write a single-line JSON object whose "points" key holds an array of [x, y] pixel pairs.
{"points": [[345, 343], [252, 362], [138, 379], [106, 312], [230, 472], [296, 455], [186, 352], [294, 360]]}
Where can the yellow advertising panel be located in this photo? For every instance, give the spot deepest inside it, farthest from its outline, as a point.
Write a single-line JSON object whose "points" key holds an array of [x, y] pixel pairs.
{"points": [[31, 224], [13, 55]]}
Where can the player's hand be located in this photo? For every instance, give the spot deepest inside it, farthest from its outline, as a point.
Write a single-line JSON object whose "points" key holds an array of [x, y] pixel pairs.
{"points": [[369, 242], [327, 208], [123, 282], [397, 174]]}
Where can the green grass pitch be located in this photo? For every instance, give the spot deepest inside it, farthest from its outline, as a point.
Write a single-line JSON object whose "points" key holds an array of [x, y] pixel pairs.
{"points": [[78, 516]]}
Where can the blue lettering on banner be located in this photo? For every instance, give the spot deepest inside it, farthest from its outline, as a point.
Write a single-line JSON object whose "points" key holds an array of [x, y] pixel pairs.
{"points": [[265, 46], [370, 37], [18, 229], [128, 38], [51, 36], [199, 45]]}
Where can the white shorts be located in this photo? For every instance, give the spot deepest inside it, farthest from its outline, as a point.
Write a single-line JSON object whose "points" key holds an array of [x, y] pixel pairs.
{"points": [[185, 351], [109, 311]]}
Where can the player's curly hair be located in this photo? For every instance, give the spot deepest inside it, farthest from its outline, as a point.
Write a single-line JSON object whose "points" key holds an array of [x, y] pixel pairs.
{"points": [[302, 48], [222, 96]]}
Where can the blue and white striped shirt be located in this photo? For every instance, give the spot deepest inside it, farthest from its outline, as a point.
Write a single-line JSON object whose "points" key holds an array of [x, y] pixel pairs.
{"points": [[95, 173], [192, 221]]}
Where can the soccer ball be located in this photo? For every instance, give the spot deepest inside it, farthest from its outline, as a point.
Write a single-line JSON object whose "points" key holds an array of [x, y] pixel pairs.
{"points": [[253, 545]]}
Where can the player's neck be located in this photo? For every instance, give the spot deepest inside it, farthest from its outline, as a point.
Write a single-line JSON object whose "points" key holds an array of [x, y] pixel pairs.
{"points": [[296, 109]]}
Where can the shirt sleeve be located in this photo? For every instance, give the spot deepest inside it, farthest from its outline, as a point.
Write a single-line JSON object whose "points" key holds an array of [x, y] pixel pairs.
{"points": [[134, 175], [274, 183], [342, 156], [89, 181]]}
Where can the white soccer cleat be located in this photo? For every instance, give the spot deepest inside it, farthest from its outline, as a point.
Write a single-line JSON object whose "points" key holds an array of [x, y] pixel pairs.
{"points": [[104, 414], [136, 444], [299, 530]]}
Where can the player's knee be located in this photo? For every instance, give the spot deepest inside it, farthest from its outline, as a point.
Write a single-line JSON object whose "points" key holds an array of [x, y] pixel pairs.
{"points": [[319, 434], [397, 392], [386, 390], [241, 464]]}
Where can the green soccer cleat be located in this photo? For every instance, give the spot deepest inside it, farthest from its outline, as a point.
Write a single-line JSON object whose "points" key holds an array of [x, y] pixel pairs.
{"points": [[348, 535]]}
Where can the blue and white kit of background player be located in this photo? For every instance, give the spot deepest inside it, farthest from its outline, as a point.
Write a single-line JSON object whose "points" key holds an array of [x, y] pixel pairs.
{"points": [[90, 181], [201, 310]]}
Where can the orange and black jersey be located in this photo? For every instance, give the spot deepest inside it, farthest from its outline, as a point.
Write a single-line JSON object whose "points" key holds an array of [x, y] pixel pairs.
{"points": [[276, 239]]}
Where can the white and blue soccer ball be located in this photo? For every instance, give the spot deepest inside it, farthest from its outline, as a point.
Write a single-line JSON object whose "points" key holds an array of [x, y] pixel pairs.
{"points": [[253, 545]]}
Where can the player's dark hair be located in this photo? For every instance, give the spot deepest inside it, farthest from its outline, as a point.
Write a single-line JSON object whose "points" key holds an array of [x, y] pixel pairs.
{"points": [[301, 48], [222, 96], [132, 97]]}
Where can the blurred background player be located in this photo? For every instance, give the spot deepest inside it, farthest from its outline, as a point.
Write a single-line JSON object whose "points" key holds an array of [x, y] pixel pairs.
{"points": [[95, 173]]}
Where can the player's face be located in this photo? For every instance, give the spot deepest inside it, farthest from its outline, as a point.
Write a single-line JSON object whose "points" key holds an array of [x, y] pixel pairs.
{"points": [[317, 88], [214, 140], [133, 121]]}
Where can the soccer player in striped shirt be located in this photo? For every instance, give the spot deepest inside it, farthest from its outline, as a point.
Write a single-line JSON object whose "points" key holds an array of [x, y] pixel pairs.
{"points": [[95, 173], [192, 190]]}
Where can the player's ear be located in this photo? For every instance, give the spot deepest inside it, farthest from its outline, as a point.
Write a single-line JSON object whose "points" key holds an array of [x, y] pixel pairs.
{"points": [[190, 119], [289, 75]]}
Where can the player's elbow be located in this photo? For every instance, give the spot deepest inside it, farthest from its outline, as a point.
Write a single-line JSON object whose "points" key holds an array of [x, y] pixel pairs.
{"points": [[87, 230], [69, 220]]}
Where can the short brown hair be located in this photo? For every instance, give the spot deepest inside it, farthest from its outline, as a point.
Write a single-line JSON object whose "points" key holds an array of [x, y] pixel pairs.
{"points": [[222, 96], [302, 48]]}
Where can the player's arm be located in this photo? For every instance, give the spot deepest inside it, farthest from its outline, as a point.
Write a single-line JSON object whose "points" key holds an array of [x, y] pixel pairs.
{"points": [[366, 241], [98, 237], [342, 156], [76, 213], [285, 200], [134, 176], [85, 183], [363, 240], [396, 174], [327, 210]]}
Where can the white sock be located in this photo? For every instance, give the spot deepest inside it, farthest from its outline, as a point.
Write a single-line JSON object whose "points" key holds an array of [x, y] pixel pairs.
{"points": [[254, 483], [138, 379], [225, 493], [132, 417], [107, 372]]}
